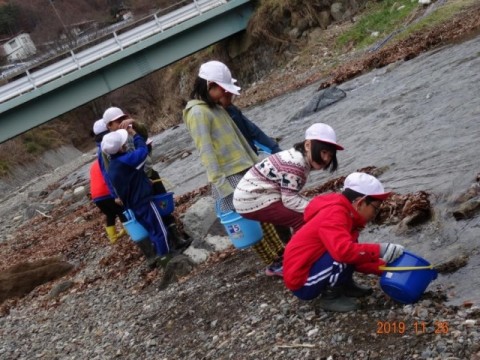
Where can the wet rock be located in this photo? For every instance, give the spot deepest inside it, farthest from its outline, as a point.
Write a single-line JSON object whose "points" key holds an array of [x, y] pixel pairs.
{"points": [[320, 100], [218, 243], [55, 195], [198, 219], [176, 268], [58, 289], [36, 209], [197, 255], [467, 210], [79, 191]]}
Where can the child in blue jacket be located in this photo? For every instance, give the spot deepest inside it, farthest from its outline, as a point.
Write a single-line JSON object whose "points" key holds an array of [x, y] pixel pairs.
{"points": [[133, 186]]}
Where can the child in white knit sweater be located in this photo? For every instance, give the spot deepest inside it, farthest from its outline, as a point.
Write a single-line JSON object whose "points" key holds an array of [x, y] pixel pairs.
{"points": [[270, 190]]}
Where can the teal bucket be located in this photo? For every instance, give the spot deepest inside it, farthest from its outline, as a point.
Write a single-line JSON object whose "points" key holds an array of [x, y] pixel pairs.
{"points": [[136, 231], [165, 203], [407, 286], [242, 232]]}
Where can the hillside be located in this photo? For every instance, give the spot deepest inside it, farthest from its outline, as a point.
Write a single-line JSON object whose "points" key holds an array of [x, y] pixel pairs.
{"points": [[303, 48]]}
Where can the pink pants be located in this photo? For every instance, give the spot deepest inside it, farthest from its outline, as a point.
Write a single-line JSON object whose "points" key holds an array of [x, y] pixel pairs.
{"points": [[277, 214]]}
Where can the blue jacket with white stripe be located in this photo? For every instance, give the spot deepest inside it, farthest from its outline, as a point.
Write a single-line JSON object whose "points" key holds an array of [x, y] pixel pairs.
{"points": [[128, 177]]}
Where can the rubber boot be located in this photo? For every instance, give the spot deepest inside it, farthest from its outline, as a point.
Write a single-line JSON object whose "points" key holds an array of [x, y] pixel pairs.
{"points": [[332, 299], [148, 250], [121, 233], [112, 234], [352, 289], [163, 261], [177, 241]]}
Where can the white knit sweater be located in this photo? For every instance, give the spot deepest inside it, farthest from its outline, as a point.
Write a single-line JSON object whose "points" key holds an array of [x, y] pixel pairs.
{"points": [[279, 177]]}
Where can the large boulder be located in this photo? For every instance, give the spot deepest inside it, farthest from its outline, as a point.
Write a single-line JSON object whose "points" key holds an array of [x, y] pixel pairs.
{"points": [[22, 278]]}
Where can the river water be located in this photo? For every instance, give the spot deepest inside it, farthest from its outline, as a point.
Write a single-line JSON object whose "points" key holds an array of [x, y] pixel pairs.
{"points": [[420, 118]]}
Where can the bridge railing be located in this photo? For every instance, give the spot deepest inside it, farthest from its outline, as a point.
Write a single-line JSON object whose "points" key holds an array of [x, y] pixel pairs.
{"points": [[35, 77]]}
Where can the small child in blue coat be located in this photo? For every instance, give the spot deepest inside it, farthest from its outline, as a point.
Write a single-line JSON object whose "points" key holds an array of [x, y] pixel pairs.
{"points": [[133, 186]]}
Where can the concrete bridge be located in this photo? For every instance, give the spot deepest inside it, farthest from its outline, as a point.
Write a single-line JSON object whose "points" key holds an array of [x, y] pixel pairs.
{"points": [[42, 94]]}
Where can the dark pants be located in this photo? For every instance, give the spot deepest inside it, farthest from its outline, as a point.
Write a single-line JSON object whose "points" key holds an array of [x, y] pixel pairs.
{"points": [[324, 272], [148, 216], [111, 210]]}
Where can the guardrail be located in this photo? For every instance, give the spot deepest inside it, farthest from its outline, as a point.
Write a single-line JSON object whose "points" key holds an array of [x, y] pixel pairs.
{"points": [[35, 78]]}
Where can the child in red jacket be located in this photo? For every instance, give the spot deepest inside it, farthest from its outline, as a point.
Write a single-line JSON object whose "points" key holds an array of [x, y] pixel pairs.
{"points": [[321, 257], [102, 193]]}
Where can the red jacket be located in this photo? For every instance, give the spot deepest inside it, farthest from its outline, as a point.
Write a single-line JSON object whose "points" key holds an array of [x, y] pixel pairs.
{"points": [[333, 225], [98, 188]]}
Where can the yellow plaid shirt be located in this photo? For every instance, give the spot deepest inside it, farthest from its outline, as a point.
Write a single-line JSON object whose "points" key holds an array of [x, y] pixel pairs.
{"points": [[223, 149]]}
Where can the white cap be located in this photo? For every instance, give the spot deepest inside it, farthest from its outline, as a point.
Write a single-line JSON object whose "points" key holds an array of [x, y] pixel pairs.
{"points": [[112, 114], [322, 132], [217, 72], [366, 184], [113, 142], [99, 127]]}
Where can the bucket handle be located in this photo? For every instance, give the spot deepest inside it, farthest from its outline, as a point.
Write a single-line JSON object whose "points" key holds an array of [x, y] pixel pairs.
{"points": [[129, 214], [406, 268]]}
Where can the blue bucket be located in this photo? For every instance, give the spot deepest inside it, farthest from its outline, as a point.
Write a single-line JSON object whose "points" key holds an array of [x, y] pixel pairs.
{"points": [[242, 232], [165, 203], [136, 231], [407, 286]]}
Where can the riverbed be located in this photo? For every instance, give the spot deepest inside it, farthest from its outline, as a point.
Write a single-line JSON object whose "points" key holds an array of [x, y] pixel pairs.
{"points": [[419, 118]]}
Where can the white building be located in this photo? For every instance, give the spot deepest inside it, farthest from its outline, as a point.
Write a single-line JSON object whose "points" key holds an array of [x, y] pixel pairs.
{"points": [[18, 48]]}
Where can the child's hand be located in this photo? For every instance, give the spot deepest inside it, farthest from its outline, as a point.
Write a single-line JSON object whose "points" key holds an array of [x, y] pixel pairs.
{"points": [[125, 124], [390, 252]]}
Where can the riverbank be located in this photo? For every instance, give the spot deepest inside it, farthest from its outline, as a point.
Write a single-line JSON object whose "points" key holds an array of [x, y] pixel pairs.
{"points": [[416, 118]]}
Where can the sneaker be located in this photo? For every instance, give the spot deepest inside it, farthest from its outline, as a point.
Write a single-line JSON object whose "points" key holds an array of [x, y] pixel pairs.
{"points": [[275, 269]]}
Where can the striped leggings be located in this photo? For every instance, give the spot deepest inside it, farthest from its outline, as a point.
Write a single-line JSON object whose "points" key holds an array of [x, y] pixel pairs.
{"points": [[270, 248]]}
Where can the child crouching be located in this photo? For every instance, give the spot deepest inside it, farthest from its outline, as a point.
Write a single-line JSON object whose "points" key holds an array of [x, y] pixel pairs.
{"points": [[321, 257]]}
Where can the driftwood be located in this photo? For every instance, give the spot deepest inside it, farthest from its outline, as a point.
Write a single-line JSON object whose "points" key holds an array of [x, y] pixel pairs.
{"points": [[22, 278], [406, 210], [467, 210], [467, 204], [452, 264]]}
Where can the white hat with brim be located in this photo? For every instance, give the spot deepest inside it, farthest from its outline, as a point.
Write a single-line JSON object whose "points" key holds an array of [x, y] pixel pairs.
{"points": [[99, 127], [367, 185], [112, 114], [218, 73], [113, 142], [324, 133]]}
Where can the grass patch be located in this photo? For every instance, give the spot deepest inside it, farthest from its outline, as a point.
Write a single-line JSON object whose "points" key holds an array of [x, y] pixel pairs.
{"points": [[28, 147], [4, 168], [41, 139], [378, 20], [440, 15]]}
